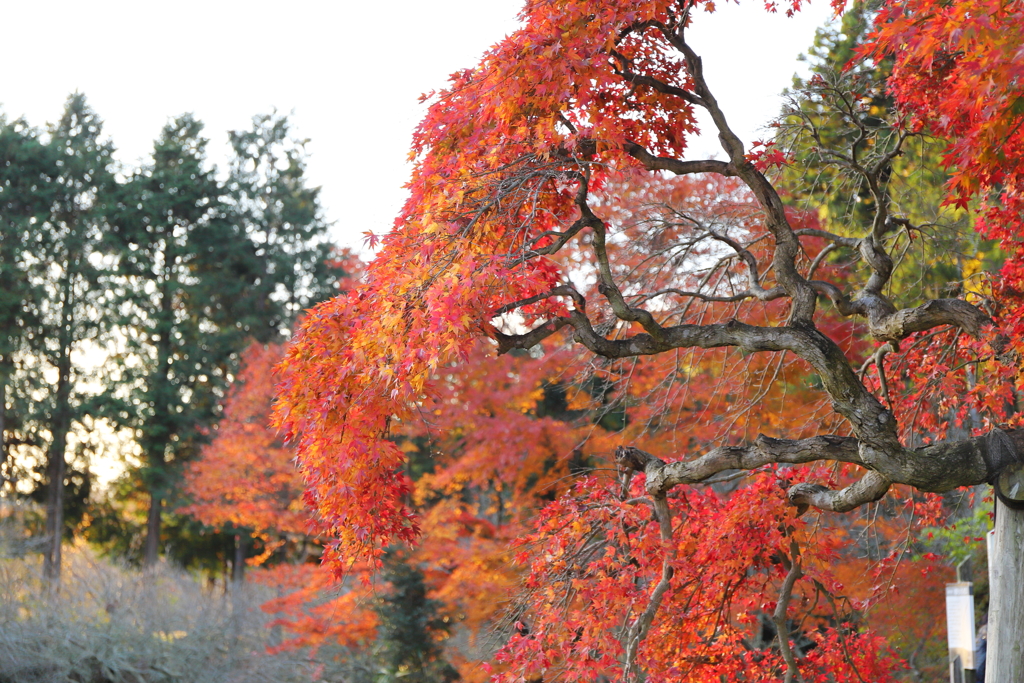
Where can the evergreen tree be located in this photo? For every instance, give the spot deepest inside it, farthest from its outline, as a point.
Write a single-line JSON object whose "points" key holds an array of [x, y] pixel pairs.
{"points": [[204, 268], [411, 628], [282, 256], [67, 268], [823, 176], [168, 234], [24, 174]]}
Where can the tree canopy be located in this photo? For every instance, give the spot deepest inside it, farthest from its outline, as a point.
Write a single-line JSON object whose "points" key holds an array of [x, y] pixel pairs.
{"points": [[533, 224]]}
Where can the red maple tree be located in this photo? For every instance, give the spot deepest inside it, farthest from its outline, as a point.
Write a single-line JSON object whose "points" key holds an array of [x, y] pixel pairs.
{"points": [[701, 321]]}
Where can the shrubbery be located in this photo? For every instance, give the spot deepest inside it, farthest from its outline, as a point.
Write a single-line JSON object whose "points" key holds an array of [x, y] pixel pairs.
{"points": [[112, 624]]}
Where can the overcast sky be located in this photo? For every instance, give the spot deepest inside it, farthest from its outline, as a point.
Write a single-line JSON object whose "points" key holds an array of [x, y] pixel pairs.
{"points": [[350, 71]]}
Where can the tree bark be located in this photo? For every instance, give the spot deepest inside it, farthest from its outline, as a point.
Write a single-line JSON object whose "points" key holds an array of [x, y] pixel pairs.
{"points": [[55, 470], [159, 431], [238, 562], [5, 464], [56, 465], [152, 548], [1005, 657]]}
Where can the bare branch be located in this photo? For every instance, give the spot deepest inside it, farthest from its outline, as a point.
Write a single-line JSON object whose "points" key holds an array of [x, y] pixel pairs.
{"points": [[677, 166], [869, 488], [816, 263], [781, 617], [753, 276], [768, 295], [837, 239], [561, 290], [787, 245]]}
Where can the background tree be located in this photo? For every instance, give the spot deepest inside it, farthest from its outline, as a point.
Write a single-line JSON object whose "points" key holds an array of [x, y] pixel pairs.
{"points": [[70, 176], [24, 172], [288, 264], [167, 236], [411, 627], [245, 480], [505, 236], [205, 268]]}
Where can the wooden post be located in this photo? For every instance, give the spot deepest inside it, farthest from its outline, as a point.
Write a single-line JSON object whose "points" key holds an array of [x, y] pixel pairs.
{"points": [[1005, 660]]}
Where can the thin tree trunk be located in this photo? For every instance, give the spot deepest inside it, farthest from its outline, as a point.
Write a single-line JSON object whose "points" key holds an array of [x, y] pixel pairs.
{"points": [[56, 468], [238, 563], [56, 465], [157, 447], [5, 464], [237, 582], [1005, 657], [152, 547]]}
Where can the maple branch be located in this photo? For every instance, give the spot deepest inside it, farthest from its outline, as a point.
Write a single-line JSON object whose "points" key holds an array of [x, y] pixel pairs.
{"points": [[787, 244], [935, 313], [781, 618], [625, 461], [878, 360], [938, 467], [609, 289], [562, 238], [662, 476], [887, 323], [561, 290], [678, 166], [711, 298], [819, 259], [869, 488], [837, 239], [868, 158], [642, 625], [934, 468], [753, 277], [653, 83], [507, 342]]}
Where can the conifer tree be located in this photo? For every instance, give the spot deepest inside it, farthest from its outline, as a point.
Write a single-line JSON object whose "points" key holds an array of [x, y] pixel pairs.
{"points": [[411, 629], [24, 172], [205, 268], [282, 254], [68, 267], [167, 233], [822, 180]]}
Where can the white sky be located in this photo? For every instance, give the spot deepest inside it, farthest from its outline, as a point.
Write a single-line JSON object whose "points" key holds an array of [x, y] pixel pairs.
{"points": [[351, 72]]}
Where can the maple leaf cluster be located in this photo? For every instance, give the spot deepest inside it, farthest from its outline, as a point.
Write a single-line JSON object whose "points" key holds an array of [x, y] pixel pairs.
{"points": [[541, 201]]}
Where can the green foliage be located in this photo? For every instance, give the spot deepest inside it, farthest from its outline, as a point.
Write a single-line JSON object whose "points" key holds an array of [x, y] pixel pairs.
{"points": [[843, 119], [23, 168], [168, 272], [962, 539], [411, 628], [54, 199], [285, 263]]}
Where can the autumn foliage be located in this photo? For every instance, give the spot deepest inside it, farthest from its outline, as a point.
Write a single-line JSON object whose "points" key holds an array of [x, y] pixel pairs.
{"points": [[246, 477], [550, 194]]}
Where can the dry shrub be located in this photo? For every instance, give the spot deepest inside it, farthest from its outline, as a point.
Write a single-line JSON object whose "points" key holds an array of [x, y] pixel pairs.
{"points": [[108, 623]]}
